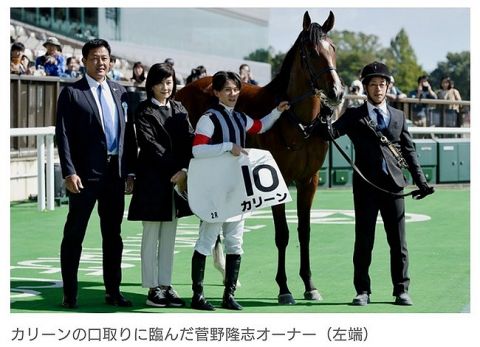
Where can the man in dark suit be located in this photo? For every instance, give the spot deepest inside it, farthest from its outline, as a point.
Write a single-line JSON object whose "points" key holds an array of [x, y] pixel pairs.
{"points": [[365, 125], [97, 149]]}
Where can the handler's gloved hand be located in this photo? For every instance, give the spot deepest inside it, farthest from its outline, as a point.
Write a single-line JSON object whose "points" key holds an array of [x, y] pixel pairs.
{"points": [[424, 190]]}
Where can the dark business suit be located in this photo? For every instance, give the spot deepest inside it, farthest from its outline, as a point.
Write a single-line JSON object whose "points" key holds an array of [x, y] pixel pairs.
{"points": [[82, 150], [368, 201]]}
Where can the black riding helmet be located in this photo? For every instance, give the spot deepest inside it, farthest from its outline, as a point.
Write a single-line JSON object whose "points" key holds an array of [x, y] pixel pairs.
{"points": [[375, 69]]}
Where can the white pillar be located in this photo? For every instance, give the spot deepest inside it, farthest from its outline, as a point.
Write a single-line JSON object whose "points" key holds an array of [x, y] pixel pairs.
{"points": [[41, 171], [50, 174]]}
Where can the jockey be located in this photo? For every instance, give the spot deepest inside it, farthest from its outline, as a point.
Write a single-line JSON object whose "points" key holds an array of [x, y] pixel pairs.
{"points": [[222, 129]]}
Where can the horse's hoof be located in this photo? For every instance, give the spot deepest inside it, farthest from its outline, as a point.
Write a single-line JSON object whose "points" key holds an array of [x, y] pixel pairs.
{"points": [[312, 295], [286, 299]]}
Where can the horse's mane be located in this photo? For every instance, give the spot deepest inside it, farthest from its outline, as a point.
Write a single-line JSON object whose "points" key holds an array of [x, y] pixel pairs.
{"points": [[279, 83]]}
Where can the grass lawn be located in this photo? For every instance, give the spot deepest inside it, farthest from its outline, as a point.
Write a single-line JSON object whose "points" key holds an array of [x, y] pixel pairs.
{"points": [[438, 234]]}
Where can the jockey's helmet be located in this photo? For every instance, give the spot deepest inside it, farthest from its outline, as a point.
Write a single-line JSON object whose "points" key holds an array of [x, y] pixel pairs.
{"points": [[375, 69]]}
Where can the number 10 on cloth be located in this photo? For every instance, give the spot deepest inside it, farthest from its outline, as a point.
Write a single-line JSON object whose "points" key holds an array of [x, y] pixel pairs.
{"points": [[223, 187]]}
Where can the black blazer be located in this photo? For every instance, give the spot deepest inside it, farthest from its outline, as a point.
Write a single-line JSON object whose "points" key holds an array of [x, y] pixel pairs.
{"points": [[80, 137], [165, 145], [369, 153]]}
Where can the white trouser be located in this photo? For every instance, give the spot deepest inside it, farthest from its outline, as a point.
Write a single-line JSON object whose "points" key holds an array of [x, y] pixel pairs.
{"points": [[232, 237], [158, 245]]}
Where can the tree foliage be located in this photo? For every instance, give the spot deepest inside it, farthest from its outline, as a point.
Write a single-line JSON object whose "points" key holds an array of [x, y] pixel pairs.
{"points": [[261, 55], [268, 56], [356, 49], [457, 67], [402, 62]]}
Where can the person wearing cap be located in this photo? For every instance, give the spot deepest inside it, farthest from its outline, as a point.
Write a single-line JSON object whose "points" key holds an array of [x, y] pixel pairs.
{"points": [[53, 61], [379, 165]]}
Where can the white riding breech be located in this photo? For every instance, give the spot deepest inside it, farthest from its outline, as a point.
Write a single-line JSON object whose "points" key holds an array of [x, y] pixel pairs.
{"points": [[232, 236]]}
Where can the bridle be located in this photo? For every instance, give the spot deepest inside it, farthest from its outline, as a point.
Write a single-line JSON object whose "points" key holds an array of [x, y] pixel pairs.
{"points": [[314, 90], [313, 76], [325, 117]]}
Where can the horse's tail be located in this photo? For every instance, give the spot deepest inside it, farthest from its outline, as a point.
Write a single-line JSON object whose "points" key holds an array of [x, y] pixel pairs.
{"points": [[219, 259]]}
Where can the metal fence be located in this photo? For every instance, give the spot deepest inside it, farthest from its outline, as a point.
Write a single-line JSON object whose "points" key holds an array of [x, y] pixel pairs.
{"points": [[33, 104], [33, 108], [431, 112]]}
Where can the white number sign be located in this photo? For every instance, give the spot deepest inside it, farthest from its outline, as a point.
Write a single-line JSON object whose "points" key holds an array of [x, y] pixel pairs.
{"points": [[227, 186]]}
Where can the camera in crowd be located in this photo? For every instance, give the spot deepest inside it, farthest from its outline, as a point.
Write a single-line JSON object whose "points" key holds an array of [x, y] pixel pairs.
{"points": [[423, 83]]}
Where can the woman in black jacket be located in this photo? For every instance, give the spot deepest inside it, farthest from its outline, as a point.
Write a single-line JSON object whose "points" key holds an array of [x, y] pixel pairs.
{"points": [[164, 137]]}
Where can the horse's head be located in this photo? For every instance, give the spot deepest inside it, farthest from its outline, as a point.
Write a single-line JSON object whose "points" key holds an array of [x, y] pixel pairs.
{"points": [[315, 67]]}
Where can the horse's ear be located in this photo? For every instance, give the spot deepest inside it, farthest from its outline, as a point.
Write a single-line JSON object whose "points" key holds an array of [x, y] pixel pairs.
{"points": [[306, 21], [328, 25]]}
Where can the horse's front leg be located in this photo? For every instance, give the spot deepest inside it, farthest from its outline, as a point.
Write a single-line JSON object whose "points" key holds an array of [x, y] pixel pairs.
{"points": [[305, 192], [281, 241]]}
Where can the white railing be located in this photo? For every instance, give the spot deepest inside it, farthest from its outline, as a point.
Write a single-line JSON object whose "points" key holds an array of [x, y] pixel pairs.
{"points": [[438, 130], [44, 137]]}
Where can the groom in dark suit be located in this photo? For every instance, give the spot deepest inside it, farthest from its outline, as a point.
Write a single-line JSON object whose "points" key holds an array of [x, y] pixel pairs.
{"points": [[365, 126], [97, 150]]}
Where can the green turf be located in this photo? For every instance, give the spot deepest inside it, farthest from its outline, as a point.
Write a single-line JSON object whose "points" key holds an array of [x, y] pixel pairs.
{"points": [[439, 261]]}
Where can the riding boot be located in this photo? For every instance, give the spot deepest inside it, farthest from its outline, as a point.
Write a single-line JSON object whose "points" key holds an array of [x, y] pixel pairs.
{"points": [[198, 271], [232, 268]]}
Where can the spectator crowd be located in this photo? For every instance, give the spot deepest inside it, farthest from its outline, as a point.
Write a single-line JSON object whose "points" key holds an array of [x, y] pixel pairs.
{"points": [[51, 61], [422, 114]]}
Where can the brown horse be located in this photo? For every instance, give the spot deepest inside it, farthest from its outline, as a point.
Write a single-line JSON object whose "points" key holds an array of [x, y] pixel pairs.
{"points": [[308, 79]]}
